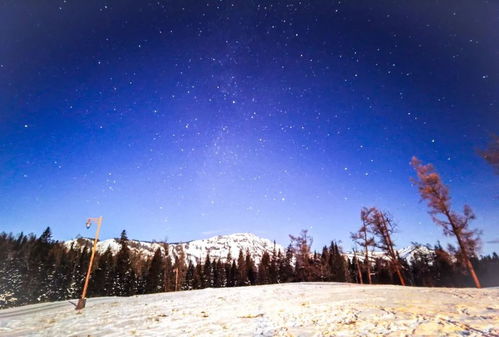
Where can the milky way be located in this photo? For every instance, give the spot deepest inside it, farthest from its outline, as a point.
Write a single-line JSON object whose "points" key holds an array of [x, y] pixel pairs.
{"points": [[185, 119]]}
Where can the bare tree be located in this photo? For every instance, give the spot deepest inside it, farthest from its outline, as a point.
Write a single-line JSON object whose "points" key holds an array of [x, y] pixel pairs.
{"points": [[301, 247], [382, 226], [364, 239], [491, 153], [433, 190]]}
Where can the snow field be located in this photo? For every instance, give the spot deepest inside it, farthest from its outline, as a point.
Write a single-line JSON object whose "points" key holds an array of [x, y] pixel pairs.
{"points": [[293, 309]]}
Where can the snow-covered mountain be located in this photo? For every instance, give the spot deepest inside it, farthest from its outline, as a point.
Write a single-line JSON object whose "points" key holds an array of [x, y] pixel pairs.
{"points": [[218, 247], [406, 253]]}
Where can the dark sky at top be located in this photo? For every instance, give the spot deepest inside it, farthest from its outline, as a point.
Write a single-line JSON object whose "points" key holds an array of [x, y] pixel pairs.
{"points": [[184, 119]]}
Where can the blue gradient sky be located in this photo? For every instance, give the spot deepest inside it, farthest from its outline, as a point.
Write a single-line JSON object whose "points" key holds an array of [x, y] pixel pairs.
{"points": [[187, 119]]}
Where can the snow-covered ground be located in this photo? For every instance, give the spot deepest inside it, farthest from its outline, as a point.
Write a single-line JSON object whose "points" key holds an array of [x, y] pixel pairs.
{"points": [[299, 309]]}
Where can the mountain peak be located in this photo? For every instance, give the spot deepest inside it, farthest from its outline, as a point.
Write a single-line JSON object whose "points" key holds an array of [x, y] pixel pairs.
{"points": [[217, 247]]}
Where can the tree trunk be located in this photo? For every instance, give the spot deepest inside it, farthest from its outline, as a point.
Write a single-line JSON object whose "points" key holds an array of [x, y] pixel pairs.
{"points": [[368, 264], [359, 272], [467, 261], [472, 272], [176, 279], [396, 263]]}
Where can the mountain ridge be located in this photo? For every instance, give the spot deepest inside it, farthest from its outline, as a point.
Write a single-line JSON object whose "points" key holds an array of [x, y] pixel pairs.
{"points": [[195, 251], [219, 246]]}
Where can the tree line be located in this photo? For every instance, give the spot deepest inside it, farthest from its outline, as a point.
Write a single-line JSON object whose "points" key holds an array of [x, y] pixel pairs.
{"points": [[39, 269]]}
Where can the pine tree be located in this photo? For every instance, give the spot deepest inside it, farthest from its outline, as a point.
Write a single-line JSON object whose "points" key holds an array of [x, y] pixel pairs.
{"points": [[421, 268], [41, 267], [250, 268], [198, 277], [154, 278], [489, 270], [233, 275], [101, 283], [338, 264], [273, 268], [285, 267], [124, 275], [229, 275], [443, 269], [218, 274], [62, 273], [68, 273], [382, 271], [242, 273], [79, 272], [207, 273], [11, 275], [189, 277], [264, 269]]}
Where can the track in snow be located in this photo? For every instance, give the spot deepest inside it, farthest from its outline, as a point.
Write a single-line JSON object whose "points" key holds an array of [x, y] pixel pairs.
{"points": [[46, 307]]}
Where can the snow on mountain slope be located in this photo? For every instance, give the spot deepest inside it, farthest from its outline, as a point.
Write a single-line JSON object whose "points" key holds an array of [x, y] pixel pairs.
{"points": [[409, 252], [218, 247], [292, 309], [406, 253]]}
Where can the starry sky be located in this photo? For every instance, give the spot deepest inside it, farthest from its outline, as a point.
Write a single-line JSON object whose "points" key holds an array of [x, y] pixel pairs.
{"points": [[181, 120]]}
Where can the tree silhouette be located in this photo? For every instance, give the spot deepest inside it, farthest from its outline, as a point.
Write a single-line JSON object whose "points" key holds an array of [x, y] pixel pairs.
{"points": [[364, 239], [382, 226], [242, 273], [301, 249], [491, 153], [264, 269], [124, 274], [154, 280], [433, 190]]}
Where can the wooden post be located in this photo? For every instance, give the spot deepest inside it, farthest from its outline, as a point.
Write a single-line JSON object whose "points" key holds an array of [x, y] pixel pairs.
{"points": [[82, 301]]}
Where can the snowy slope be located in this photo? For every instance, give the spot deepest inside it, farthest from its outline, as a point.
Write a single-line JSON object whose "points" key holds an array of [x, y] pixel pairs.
{"points": [[217, 247], [406, 253], [293, 309], [220, 246]]}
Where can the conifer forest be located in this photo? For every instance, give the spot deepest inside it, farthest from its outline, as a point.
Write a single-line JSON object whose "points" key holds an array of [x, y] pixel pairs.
{"points": [[38, 269]]}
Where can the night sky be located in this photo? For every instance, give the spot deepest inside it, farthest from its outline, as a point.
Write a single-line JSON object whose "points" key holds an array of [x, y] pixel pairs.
{"points": [[188, 119]]}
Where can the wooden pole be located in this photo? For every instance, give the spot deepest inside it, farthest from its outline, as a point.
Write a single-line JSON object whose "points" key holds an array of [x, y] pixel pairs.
{"points": [[82, 301]]}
